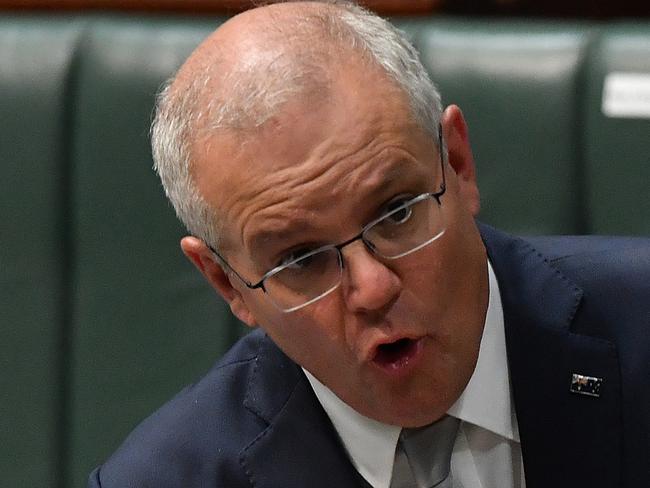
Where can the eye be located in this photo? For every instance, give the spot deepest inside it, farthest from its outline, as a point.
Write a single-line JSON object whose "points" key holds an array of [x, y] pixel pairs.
{"points": [[305, 263], [400, 216], [297, 257], [398, 211]]}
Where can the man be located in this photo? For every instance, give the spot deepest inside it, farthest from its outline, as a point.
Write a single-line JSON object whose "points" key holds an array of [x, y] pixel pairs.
{"points": [[331, 202]]}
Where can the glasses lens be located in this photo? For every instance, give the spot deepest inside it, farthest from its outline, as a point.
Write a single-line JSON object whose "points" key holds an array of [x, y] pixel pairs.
{"points": [[407, 228], [305, 280]]}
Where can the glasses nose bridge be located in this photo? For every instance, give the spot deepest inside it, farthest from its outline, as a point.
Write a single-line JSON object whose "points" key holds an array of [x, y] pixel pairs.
{"points": [[366, 243]]}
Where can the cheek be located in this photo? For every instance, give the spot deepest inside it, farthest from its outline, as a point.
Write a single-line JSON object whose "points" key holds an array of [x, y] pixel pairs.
{"points": [[313, 337], [423, 275], [449, 279], [466, 288]]}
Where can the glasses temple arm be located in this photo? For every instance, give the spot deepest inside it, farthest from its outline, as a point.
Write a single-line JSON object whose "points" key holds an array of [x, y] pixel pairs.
{"points": [[224, 263]]}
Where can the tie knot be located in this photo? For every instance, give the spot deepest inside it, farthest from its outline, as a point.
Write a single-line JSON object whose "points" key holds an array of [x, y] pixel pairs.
{"points": [[428, 450]]}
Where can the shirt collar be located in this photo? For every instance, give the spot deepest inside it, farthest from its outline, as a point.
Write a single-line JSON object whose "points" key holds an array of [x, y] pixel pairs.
{"points": [[371, 444], [490, 383]]}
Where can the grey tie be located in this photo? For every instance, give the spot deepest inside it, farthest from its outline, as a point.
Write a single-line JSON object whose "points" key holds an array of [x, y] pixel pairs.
{"points": [[423, 455]]}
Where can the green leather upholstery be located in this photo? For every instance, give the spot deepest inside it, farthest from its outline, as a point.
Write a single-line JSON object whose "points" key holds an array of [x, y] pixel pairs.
{"points": [[102, 318], [35, 58], [516, 83], [145, 323], [617, 149]]}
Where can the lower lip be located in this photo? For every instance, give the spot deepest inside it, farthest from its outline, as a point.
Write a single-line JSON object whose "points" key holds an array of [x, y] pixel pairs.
{"points": [[405, 362]]}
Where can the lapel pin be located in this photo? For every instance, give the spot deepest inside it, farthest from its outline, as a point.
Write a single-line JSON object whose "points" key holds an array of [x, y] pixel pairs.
{"points": [[585, 385]]}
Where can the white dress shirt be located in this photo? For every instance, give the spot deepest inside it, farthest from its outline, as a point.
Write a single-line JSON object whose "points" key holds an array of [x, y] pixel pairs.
{"points": [[487, 450]]}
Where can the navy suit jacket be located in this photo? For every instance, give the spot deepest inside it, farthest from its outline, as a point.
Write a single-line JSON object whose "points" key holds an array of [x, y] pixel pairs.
{"points": [[571, 305]]}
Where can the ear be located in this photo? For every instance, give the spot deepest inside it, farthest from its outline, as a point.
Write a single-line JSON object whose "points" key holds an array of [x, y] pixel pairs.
{"points": [[460, 158], [205, 261]]}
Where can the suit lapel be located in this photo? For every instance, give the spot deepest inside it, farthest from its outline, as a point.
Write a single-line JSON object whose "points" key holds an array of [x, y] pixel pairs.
{"points": [[298, 447], [567, 439]]}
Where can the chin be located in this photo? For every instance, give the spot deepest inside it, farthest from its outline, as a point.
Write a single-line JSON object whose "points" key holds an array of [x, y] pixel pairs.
{"points": [[411, 418], [408, 410]]}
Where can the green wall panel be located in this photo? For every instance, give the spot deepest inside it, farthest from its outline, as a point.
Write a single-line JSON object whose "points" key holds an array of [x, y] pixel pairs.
{"points": [[517, 83], [617, 145], [144, 323], [35, 61]]}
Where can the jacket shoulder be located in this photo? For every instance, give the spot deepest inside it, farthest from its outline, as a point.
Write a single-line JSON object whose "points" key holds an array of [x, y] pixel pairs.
{"points": [[611, 275], [624, 249], [615, 265], [614, 276], [197, 436]]}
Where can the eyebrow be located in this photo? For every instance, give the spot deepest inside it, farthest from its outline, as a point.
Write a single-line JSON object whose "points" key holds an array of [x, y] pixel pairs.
{"points": [[395, 174], [287, 232], [262, 238]]}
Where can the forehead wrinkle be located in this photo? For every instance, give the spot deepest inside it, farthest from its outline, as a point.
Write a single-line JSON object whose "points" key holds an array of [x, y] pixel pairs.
{"points": [[272, 190], [273, 211], [328, 156], [278, 231], [369, 174], [288, 217], [336, 163], [271, 200]]}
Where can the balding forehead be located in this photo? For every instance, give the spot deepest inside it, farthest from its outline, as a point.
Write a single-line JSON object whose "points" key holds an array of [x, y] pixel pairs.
{"points": [[272, 27], [242, 74], [258, 36]]}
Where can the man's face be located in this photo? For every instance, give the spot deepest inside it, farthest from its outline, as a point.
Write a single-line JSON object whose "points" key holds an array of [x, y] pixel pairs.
{"points": [[398, 339]]}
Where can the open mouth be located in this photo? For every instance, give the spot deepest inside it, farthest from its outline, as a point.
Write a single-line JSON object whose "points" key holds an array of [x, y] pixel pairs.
{"points": [[394, 355]]}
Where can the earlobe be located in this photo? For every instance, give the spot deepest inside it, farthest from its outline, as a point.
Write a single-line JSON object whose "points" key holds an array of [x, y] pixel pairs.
{"points": [[460, 156], [242, 312], [203, 258]]}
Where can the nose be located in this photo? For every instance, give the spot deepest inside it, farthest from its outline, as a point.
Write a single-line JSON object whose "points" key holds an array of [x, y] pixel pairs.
{"points": [[369, 286]]}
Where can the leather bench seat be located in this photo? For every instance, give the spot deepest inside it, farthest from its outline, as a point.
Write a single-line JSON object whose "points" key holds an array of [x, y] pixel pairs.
{"points": [[145, 323], [36, 56], [516, 83], [616, 140]]}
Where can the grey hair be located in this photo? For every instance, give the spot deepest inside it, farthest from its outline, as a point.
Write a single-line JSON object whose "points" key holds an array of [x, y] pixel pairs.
{"points": [[253, 98]]}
